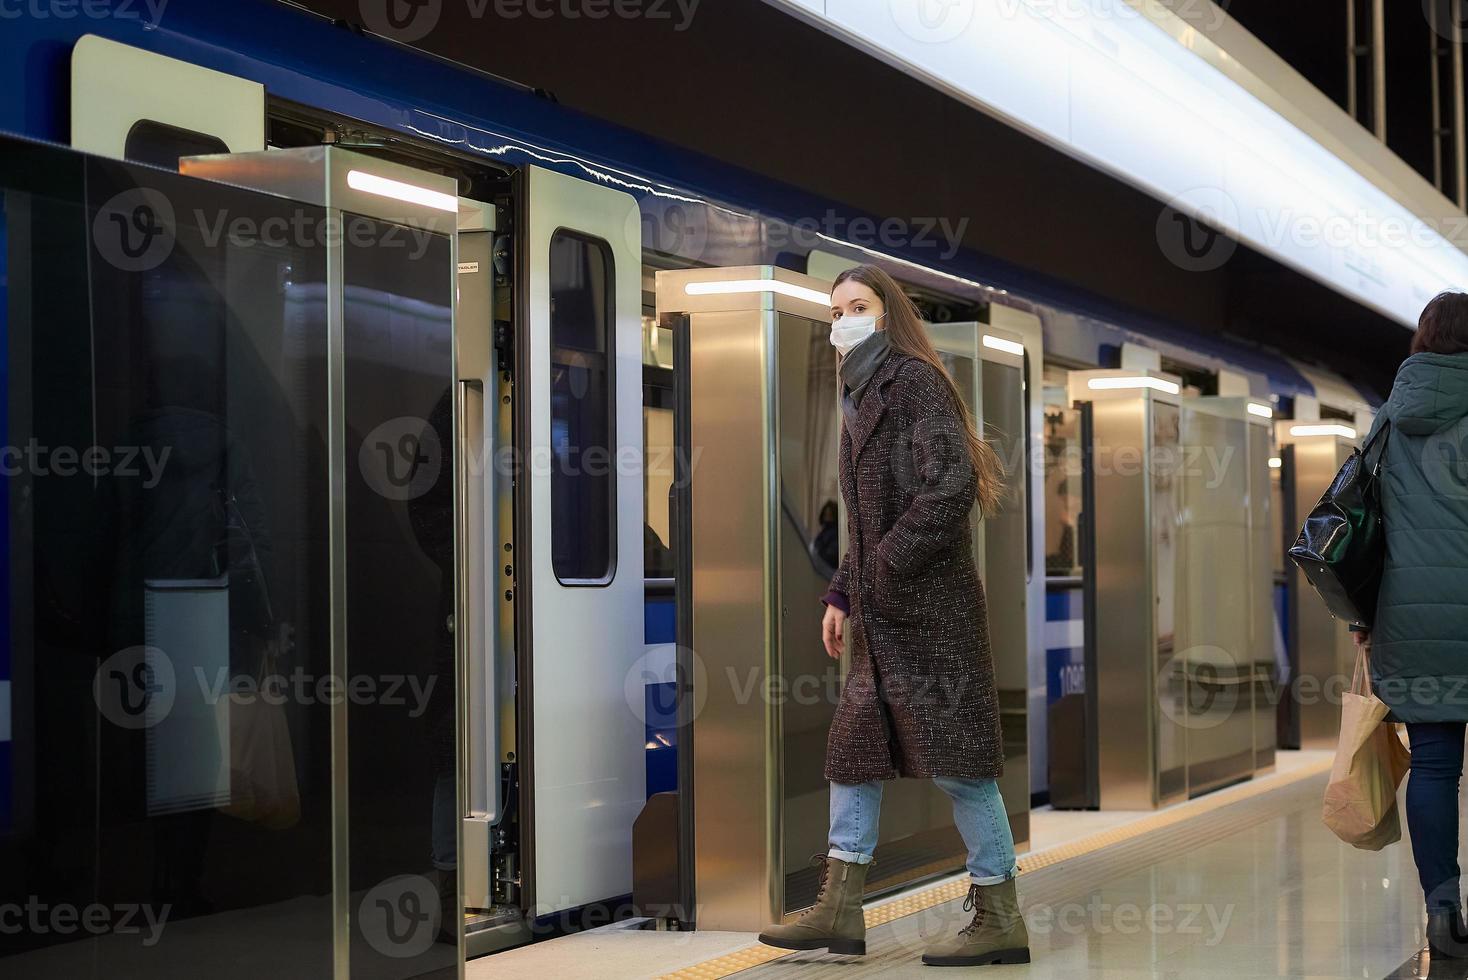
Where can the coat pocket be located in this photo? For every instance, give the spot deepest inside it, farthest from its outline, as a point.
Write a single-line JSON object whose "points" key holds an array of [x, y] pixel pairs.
{"points": [[896, 595]]}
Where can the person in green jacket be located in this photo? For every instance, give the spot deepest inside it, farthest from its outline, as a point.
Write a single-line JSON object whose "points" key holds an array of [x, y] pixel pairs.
{"points": [[1419, 638]]}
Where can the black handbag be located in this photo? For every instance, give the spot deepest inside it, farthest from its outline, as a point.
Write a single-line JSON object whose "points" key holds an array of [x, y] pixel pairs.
{"points": [[1342, 547]]}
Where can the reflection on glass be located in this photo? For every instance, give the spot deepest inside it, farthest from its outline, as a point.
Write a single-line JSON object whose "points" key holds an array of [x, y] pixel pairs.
{"points": [[582, 343], [164, 577], [1214, 612], [403, 812], [1063, 456], [809, 427]]}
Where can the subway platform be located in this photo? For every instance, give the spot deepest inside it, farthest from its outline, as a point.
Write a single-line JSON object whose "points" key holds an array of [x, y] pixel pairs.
{"points": [[1245, 882]]}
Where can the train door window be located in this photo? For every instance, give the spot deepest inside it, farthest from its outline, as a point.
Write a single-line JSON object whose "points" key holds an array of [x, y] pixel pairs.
{"points": [[583, 489], [163, 145]]}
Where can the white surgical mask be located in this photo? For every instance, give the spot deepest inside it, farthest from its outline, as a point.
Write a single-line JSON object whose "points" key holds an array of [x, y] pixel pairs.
{"points": [[849, 331]]}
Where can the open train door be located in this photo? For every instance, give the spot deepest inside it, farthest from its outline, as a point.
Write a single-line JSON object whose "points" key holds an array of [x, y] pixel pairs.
{"points": [[578, 554]]}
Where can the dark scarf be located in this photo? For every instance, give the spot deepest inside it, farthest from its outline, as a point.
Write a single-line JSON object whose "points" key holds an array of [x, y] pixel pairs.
{"points": [[857, 368]]}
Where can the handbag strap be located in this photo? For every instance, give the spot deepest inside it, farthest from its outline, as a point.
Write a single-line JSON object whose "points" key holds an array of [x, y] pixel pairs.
{"points": [[1375, 447]]}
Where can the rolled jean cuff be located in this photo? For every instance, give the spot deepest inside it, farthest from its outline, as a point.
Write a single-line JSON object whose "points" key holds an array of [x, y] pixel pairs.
{"points": [[850, 857], [994, 879]]}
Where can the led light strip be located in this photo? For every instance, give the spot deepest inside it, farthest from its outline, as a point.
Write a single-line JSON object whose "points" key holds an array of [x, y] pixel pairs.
{"points": [[360, 180], [726, 286], [1120, 384], [1263, 411], [1007, 346], [1076, 74], [1344, 431]]}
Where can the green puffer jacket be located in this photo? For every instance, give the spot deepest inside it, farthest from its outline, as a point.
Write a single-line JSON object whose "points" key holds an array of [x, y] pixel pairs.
{"points": [[1419, 640]]}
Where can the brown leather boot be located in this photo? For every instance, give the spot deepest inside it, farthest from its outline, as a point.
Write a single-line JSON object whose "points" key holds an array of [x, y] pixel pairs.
{"points": [[996, 935], [835, 922]]}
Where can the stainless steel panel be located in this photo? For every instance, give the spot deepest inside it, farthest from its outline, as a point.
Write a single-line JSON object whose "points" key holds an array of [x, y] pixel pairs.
{"points": [[1126, 608], [1214, 656], [1323, 655], [737, 845]]}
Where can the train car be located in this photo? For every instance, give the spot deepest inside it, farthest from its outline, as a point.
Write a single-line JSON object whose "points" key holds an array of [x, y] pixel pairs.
{"points": [[423, 492]]}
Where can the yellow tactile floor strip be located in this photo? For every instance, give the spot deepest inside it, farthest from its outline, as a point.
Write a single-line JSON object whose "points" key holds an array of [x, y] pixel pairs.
{"points": [[928, 898]]}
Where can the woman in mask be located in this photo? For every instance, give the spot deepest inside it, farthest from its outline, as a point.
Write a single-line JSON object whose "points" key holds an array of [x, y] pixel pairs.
{"points": [[907, 605]]}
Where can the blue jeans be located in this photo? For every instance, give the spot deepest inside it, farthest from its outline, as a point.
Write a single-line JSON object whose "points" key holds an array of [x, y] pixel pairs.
{"points": [[1432, 807], [978, 811]]}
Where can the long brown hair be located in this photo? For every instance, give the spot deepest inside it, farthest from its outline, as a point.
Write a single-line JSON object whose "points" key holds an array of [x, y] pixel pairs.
{"points": [[905, 333], [1443, 327]]}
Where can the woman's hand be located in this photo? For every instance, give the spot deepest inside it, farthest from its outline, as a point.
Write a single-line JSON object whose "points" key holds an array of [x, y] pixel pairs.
{"points": [[1362, 638], [833, 632]]}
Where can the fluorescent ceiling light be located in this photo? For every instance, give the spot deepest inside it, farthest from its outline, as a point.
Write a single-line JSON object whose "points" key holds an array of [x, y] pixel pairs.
{"points": [[360, 180], [1115, 384], [1263, 411], [1344, 431], [725, 286], [1132, 89], [1275, 462], [1007, 346]]}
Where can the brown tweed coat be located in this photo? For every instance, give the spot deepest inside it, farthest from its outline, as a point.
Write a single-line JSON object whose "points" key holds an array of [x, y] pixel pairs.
{"points": [[919, 696]]}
